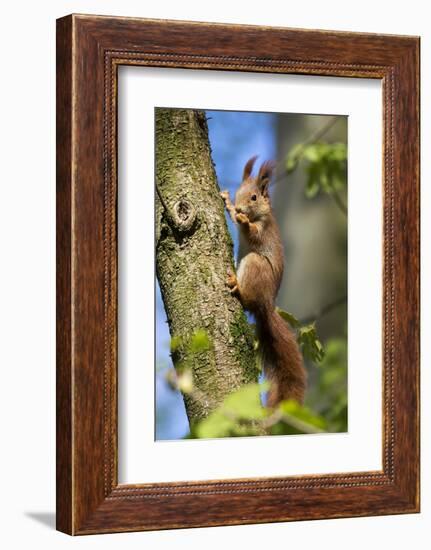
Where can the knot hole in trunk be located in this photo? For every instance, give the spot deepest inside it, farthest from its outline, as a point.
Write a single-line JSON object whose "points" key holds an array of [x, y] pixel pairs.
{"points": [[184, 215]]}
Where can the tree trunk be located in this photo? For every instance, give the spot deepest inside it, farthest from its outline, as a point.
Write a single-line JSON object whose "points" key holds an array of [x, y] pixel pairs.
{"points": [[193, 254]]}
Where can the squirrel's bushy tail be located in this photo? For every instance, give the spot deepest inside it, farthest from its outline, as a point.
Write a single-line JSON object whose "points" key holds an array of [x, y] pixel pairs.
{"points": [[282, 359]]}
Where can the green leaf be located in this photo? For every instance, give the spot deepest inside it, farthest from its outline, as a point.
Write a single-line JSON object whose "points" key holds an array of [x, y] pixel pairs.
{"points": [[291, 319], [215, 425], [310, 344], [235, 416], [304, 414], [338, 152], [314, 152], [245, 403], [313, 182], [325, 180], [326, 166], [312, 189], [307, 337]]}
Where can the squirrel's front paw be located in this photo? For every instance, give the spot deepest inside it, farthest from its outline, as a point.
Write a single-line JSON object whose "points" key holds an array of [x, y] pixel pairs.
{"points": [[242, 218], [225, 195]]}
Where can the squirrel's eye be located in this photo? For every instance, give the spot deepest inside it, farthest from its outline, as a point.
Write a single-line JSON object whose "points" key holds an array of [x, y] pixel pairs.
{"points": [[253, 197]]}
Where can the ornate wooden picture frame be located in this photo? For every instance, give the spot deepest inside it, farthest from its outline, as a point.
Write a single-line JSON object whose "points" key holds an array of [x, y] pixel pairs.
{"points": [[89, 51]]}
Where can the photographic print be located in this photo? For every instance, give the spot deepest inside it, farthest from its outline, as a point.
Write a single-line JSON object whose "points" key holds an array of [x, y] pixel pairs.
{"points": [[206, 198], [251, 273]]}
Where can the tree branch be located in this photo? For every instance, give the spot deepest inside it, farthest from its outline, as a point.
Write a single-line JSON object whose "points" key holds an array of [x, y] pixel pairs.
{"points": [[313, 138], [318, 134], [324, 310]]}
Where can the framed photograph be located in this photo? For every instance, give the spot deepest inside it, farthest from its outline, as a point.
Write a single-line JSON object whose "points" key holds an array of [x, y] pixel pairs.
{"points": [[237, 274]]}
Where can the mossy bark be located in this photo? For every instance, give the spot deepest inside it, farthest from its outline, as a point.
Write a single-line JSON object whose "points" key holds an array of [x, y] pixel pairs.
{"points": [[193, 254]]}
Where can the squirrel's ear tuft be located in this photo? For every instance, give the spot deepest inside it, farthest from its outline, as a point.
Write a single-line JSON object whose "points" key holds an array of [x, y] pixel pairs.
{"points": [[248, 168], [264, 175]]}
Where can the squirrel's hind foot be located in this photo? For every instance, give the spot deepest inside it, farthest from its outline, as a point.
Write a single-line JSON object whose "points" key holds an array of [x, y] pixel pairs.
{"points": [[232, 282]]}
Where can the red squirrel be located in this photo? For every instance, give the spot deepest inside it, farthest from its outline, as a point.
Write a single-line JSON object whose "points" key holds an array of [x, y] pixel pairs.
{"points": [[257, 281]]}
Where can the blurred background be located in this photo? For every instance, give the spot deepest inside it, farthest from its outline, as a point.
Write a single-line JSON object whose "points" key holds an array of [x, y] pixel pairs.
{"points": [[309, 197]]}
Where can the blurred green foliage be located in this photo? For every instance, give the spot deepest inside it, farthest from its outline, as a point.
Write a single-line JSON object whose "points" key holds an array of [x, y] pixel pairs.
{"points": [[328, 394], [242, 412], [239, 415], [325, 165]]}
